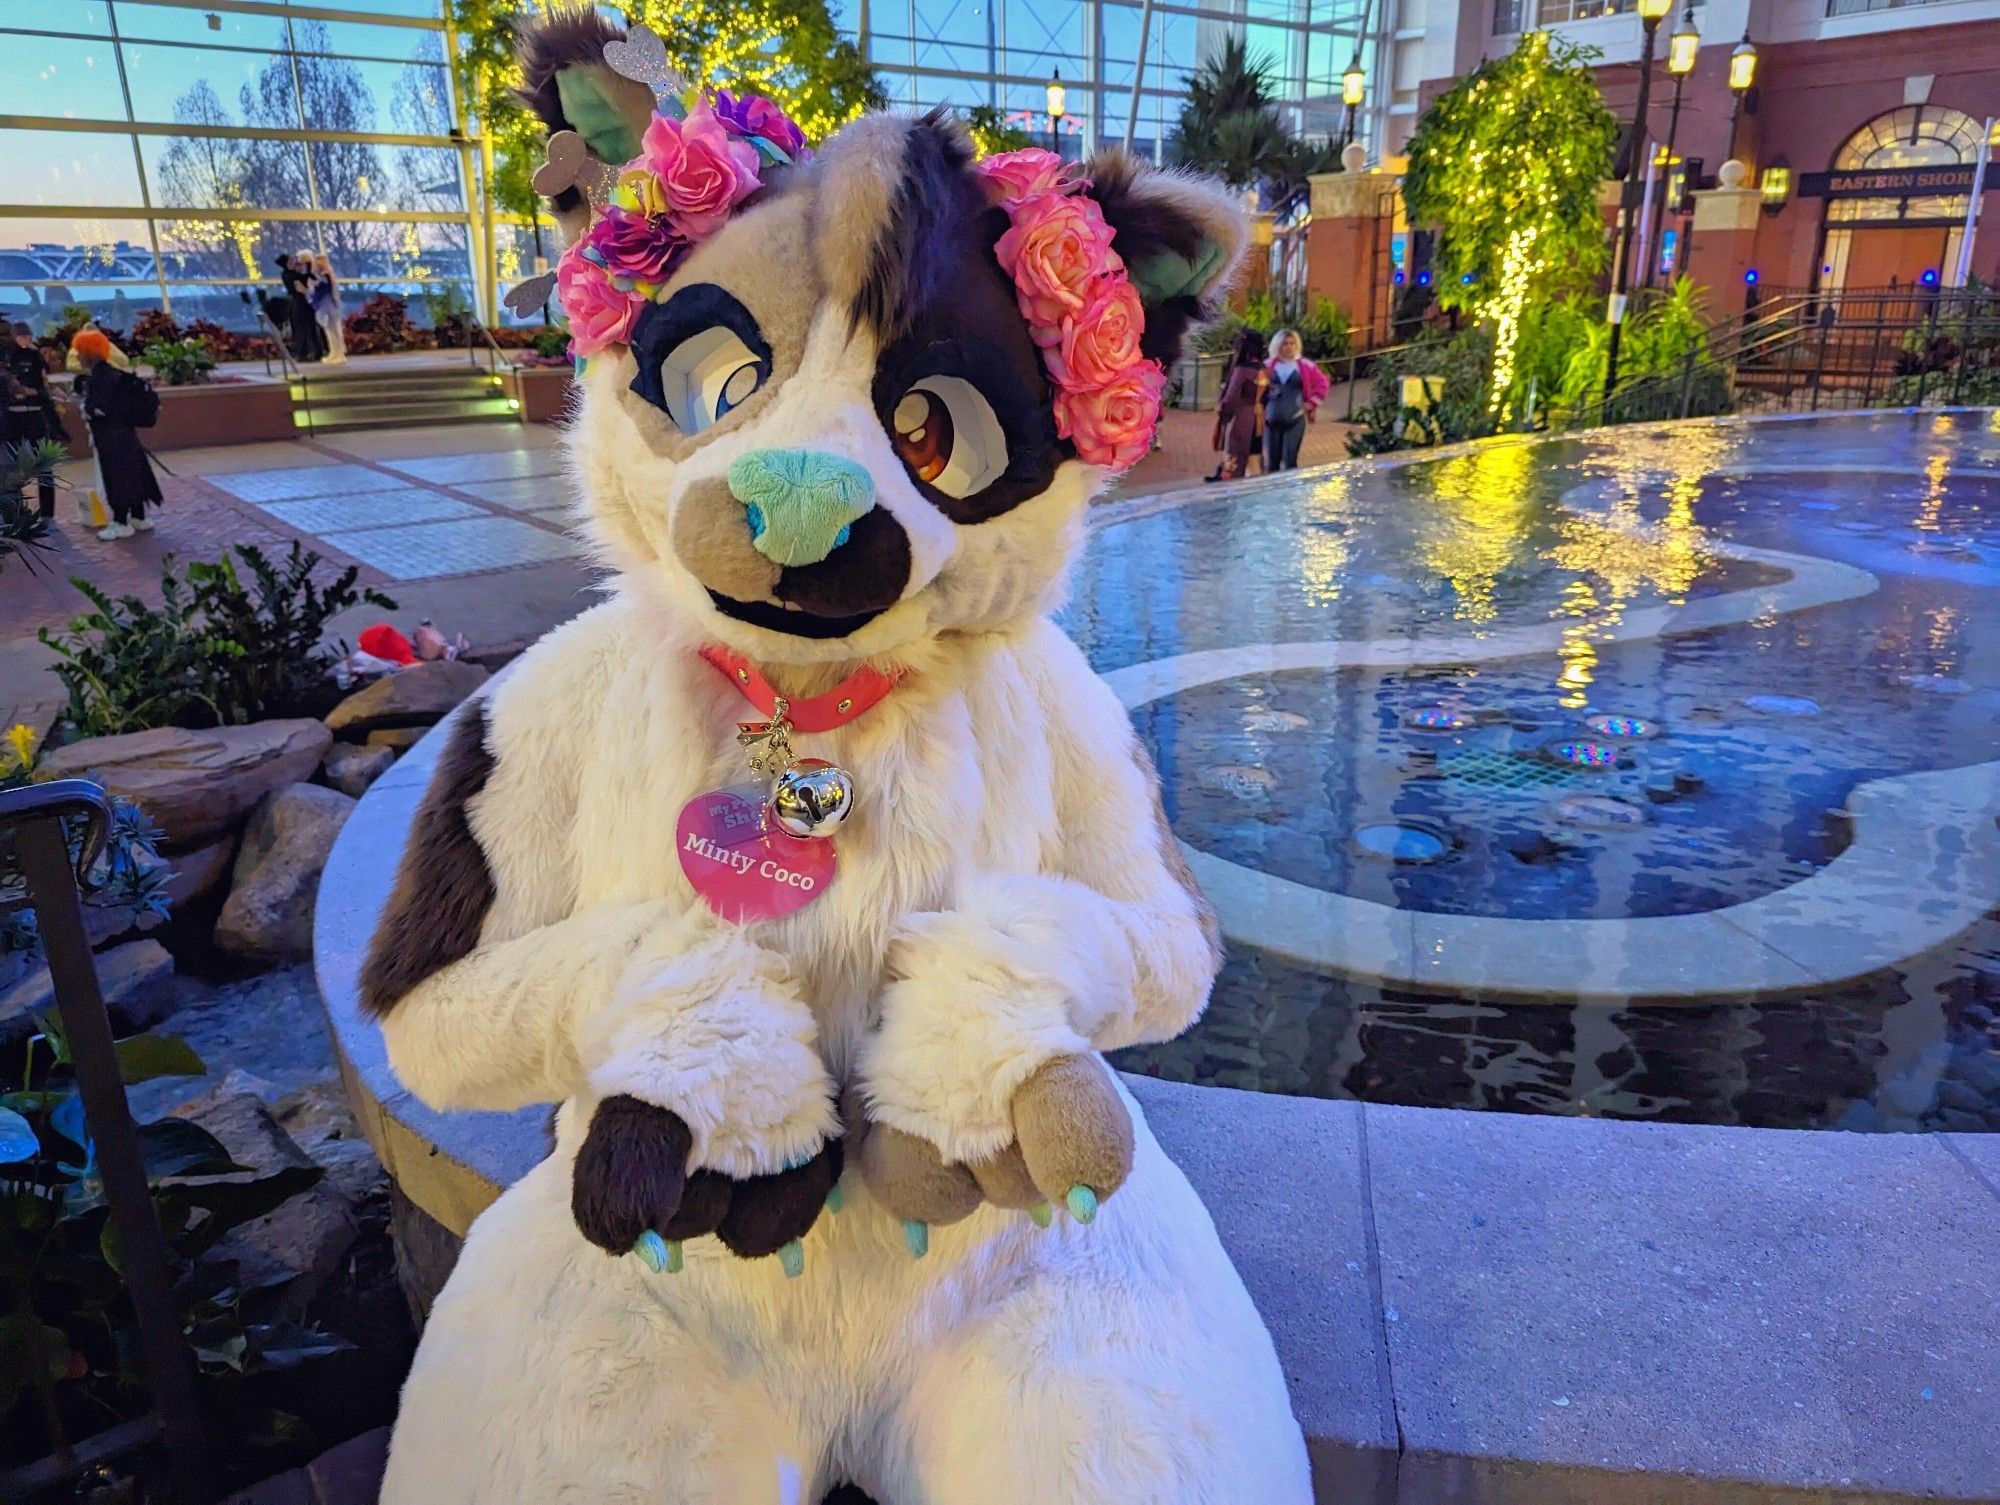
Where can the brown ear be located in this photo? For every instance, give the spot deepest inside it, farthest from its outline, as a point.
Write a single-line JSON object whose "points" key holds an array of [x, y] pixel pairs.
{"points": [[567, 84], [1181, 237]]}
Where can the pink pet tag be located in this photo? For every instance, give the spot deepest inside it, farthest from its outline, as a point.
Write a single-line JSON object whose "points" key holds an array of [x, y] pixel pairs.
{"points": [[743, 868]]}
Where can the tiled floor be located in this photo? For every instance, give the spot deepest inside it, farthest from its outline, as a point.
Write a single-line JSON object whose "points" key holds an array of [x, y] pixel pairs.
{"points": [[424, 551]]}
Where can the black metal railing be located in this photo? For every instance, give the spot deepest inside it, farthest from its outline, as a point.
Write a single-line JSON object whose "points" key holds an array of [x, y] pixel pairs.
{"points": [[32, 831]]}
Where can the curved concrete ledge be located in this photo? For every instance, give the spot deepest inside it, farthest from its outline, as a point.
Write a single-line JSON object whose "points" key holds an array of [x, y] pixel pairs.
{"points": [[1852, 918], [1486, 1307]]}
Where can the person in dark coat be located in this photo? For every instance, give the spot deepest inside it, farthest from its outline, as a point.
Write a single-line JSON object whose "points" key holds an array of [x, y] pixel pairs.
{"points": [[106, 388], [30, 412], [308, 344], [1237, 415]]}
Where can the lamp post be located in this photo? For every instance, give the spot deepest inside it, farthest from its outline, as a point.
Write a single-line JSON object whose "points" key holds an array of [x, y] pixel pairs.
{"points": [[1353, 88], [1651, 14], [1058, 99], [1683, 47], [1742, 74]]}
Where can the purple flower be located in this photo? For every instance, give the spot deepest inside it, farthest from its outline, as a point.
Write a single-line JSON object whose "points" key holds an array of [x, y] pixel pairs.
{"points": [[638, 246], [754, 115]]}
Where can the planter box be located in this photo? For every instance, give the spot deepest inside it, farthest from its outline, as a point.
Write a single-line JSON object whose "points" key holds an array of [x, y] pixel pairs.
{"points": [[226, 413], [1200, 378], [543, 392]]}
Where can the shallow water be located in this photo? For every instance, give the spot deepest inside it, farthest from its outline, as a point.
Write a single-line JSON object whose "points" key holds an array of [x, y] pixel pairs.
{"points": [[1586, 779]]}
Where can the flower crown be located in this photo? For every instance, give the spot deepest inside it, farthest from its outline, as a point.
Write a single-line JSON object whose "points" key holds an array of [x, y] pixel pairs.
{"points": [[1080, 304], [703, 153]]}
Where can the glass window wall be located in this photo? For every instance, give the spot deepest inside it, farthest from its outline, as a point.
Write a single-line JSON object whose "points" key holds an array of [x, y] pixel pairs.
{"points": [[235, 133]]}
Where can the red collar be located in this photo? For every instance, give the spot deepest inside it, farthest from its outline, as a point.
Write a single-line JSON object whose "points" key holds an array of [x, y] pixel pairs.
{"points": [[821, 713]]}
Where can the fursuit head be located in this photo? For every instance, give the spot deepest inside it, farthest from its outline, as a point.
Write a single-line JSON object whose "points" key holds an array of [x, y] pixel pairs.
{"points": [[810, 872]]}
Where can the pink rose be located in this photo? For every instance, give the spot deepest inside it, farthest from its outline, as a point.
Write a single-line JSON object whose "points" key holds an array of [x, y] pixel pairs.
{"points": [[1055, 250], [637, 245], [1013, 176], [1113, 425], [598, 313], [705, 171], [1102, 341]]}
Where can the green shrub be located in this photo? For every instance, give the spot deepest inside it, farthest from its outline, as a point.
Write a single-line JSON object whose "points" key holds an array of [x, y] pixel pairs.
{"points": [[551, 342], [1262, 313], [1326, 332], [1463, 361], [23, 530], [215, 652], [181, 362]]}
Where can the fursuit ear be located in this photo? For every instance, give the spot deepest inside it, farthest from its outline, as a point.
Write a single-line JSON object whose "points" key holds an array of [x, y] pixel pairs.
{"points": [[567, 83], [1181, 237]]}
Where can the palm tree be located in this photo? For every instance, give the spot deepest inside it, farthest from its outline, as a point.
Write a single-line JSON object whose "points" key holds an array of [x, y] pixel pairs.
{"points": [[1229, 124]]}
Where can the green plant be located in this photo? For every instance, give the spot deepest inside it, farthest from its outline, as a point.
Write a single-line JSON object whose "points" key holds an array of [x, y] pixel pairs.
{"points": [[1261, 311], [180, 363], [23, 530], [1326, 331], [1229, 124], [992, 133], [1462, 363], [1507, 164], [127, 875], [68, 1358], [215, 652], [551, 342], [1218, 336], [383, 323]]}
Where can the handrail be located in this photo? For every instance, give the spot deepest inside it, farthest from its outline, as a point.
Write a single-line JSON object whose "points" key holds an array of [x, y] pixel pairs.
{"points": [[34, 814]]}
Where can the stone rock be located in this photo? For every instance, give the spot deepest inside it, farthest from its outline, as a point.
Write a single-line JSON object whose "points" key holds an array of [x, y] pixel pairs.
{"points": [[321, 1123], [418, 696], [303, 1240], [199, 872], [137, 981], [352, 769], [1961, 1095], [397, 740], [268, 914], [195, 786]]}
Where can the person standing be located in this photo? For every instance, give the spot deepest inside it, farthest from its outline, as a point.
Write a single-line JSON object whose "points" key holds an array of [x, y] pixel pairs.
{"points": [[326, 309], [1294, 389], [30, 415], [110, 394], [1239, 412], [307, 342]]}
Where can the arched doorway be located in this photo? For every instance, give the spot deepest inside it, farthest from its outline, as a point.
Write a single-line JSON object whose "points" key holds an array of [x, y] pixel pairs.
{"points": [[1886, 224]]}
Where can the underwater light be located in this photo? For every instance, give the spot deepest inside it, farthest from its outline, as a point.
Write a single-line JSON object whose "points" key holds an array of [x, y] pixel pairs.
{"points": [[1435, 718], [1404, 841], [1630, 728], [1584, 754]]}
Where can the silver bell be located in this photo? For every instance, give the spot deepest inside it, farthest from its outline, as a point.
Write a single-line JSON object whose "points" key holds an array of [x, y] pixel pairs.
{"points": [[812, 798]]}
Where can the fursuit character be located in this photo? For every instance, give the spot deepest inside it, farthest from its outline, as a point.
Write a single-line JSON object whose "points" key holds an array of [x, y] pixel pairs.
{"points": [[841, 1189]]}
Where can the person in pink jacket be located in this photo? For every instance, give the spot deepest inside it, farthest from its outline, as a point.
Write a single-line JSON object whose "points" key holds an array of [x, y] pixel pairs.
{"points": [[1292, 395]]}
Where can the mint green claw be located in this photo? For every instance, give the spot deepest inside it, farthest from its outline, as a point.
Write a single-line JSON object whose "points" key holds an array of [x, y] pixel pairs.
{"points": [[652, 1251], [916, 1238], [1043, 1214], [836, 1199], [1082, 1203], [793, 1258], [674, 1257]]}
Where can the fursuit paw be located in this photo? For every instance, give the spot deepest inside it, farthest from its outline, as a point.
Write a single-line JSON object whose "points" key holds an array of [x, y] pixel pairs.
{"points": [[1073, 1134], [772, 1214], [631, 1175], [909, 1177]]}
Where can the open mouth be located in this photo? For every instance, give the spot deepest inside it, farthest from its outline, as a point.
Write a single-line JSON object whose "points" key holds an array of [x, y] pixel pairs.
{"points": [[791, 619]]}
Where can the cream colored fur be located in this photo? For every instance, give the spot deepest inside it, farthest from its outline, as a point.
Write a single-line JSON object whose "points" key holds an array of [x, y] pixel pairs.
{"points": [[1002, 900]]}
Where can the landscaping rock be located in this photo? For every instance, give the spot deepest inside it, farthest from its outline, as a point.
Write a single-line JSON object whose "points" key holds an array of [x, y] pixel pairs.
{"points": [[195, 786], [418, 696], [268, 915], [137, 981], [302, 1241], [323, 1125], [351, 769], [397, 739], [199, 872]]}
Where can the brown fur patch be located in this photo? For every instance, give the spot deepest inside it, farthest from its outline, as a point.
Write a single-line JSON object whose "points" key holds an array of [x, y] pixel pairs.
{"points": [[908, 1176], [629, 1173], [1005, 1180], [443, 885], [1176, 860], [712, 539], [1073, 1127]]}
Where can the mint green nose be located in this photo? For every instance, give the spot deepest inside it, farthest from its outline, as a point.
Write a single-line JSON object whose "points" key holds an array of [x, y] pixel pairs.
{"points": [[801, 502]]}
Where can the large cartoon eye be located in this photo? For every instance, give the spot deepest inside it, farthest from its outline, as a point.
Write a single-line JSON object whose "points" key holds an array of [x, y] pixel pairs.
{"points": [[944, 430], [707, 374]]}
